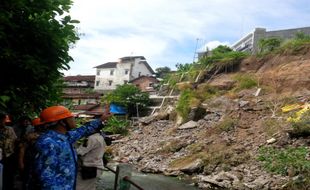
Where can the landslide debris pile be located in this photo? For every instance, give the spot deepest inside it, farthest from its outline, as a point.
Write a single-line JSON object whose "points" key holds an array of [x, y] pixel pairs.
{"points": [[246, 129]]}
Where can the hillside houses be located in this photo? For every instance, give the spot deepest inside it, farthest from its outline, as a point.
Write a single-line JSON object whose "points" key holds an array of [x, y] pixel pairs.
{"points": [[79, 90], [111, 74], [84, 92]]}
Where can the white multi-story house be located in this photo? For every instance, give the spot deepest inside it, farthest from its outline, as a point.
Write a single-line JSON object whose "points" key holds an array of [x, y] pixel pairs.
{"points": [[111, 74]]}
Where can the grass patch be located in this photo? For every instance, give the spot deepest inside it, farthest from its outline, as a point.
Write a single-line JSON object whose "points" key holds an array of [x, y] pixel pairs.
{"points": [[196, 148], [116, 126], [227, 124], [205, 92], [172, 146], [272, 126], [184, 161], [290, 161], [183, 105], [245, 81], [223, 157]]}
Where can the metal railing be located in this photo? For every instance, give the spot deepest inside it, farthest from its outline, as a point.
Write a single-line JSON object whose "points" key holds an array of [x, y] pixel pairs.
{"points": [[123, 177]]}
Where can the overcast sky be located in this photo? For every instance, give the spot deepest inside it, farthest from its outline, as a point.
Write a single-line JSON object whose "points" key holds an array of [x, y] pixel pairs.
{"points": [[165, 32]]}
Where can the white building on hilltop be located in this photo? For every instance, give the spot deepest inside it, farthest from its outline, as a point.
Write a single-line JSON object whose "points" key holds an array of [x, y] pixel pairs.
{"points": [[111, 74], [249, 43]]}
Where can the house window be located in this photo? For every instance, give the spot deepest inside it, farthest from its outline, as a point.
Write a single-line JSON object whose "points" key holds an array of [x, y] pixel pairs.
{"points": [[112, 72], [125, 81], [98, 72], [150, 84], [126, 72], [110, 82], [97, 83], [139, 74]]}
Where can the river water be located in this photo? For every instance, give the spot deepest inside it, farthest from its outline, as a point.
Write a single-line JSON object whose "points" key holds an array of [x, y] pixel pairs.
{"points": [[146, 181]]}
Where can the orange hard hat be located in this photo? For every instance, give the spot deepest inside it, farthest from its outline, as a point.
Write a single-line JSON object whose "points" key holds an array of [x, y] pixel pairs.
{"points": [[7, 119], [36, 122], [54, 113]]}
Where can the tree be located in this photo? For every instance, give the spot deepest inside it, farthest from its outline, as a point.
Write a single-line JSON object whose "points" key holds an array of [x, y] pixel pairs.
{"points": [[130, 97], [221, 49], [161, 72], [35, 37]]}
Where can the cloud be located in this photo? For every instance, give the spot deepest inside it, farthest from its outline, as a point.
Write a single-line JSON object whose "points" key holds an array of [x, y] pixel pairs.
{"points": [[166, 32], [211, 45]]}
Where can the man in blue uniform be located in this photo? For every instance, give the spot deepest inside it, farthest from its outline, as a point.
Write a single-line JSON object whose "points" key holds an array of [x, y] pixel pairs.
{"points": [[56, 160]]}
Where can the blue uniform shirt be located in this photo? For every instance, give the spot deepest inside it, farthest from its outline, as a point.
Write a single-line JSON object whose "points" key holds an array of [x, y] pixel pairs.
{"points": [[56, 161]]}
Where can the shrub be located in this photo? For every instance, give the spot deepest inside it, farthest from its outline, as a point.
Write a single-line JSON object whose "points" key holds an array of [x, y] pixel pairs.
{"points": [[297, 45], [205, 92], [128, 96], [223, 58], [183, 105], [285, 161], [272, 126], [245, 81], [300, 122], [291, 161], [116, 126], [227, 124], [267, 45]]}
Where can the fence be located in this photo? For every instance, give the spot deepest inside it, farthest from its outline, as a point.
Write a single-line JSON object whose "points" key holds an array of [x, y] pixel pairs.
{"points": [[123, 179]]}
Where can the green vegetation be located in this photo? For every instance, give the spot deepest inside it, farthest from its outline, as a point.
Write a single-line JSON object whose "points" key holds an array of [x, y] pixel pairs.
{"points": [[172, 146], [162, 72], [267, 45], [289, 161], [196, 147], [297, 45], [205, 92], [227, 124], [116, 126], [183, 161], [225, 158], [272, 126], [130, 97], [33, 59], [301, 123], [292, 46], [183, 105], [245, 81], [223, 58], [191, 98]]}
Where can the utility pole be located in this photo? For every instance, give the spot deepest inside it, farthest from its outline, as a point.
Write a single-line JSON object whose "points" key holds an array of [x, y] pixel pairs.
{"points": [[195, 50]]}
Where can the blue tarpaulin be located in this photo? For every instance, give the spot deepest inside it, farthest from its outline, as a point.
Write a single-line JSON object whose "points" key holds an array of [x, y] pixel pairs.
{"points": [[116, 109]]}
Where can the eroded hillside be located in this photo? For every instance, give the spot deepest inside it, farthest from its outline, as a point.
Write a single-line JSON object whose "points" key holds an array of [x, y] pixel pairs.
{"points": [[236, 135]]}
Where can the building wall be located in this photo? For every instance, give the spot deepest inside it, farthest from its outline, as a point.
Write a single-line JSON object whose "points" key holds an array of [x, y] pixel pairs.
{"points": [[119, 76], [249, 42], [287, 34], [145, 84], [139, 69]]}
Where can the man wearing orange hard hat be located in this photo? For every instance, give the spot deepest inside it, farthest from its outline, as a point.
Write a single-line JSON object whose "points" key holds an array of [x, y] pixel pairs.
{"points": [[56, 159], [27, 154]]}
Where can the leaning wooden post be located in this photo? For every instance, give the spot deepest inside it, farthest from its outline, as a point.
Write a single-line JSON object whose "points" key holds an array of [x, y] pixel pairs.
{"points": [[122, 170]]}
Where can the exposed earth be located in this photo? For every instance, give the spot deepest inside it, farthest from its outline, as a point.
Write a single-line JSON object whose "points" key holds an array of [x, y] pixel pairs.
{"points": [[219, 145]]}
